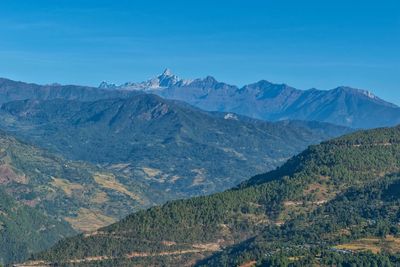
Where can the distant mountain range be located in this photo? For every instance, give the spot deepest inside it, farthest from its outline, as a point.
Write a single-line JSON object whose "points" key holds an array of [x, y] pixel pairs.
{"points": [[262, 100], [267, 101], [170, 146], [327, 206], [113, 150], [13, 90]]}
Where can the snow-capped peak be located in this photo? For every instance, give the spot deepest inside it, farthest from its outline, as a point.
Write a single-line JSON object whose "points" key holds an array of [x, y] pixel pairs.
{"points": [[167, 72], [230, 116], [368, 94], [164, 80]]}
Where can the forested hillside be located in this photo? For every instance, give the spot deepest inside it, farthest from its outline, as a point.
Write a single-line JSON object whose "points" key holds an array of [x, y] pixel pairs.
{"points": [[25, 230], [359, 227], [171, 147], [45, 197], [323, 205]]}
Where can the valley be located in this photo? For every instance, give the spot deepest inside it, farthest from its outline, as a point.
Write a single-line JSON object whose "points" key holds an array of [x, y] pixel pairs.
{"points": [[169, 146], [89, 163], [255, 219], [273, 140]]}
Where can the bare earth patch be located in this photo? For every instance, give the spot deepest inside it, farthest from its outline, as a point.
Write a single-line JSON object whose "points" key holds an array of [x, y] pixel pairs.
{"points": [[7, 175], [196, 248]]}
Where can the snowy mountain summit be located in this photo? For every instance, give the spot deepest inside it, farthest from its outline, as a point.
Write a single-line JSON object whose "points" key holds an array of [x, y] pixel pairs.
{"points": [[165, 80], [264, 100]]}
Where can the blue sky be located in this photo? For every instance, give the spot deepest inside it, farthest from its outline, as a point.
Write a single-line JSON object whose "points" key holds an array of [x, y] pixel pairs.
{"points": [[305, 44]]}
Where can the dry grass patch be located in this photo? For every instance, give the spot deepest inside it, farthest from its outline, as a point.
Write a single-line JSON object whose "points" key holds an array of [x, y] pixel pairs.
{"points": [[119, 166], [234, 153], [99, 198], [168, 243], [150, 172], [174, 179], [249, 264], [89, 220], [66, 186], [320, 191], [375, 245], [295, 258], [110, 182], [199, 178]]}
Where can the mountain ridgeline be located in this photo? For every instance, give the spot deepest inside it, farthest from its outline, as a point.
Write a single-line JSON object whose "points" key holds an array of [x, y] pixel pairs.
{"points": [[268, 101], [115, 150], [90, 157], [332, 204], [166, 145], [263, 100], [13, 90]]}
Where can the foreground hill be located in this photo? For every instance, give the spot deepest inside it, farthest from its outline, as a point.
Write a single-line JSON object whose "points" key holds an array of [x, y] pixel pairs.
{"points": [[359, 227], [44, 197], [167, 145], [25, 230], [264, 100], [321, 207]]}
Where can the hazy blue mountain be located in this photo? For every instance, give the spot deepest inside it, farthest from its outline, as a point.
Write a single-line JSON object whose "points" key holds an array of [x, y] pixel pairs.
{"points": [[170, 146], [264, 100], [13, 90]]}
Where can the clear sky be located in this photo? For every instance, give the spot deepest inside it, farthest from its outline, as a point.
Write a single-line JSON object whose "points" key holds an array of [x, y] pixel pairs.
{"points": [[318, 43]]}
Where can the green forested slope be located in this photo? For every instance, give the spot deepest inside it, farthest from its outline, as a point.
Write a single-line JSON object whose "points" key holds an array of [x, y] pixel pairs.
{"points": [[25, 230], [68, 189], [169, 146], [45, 197], [362, 218], [308, 198]]}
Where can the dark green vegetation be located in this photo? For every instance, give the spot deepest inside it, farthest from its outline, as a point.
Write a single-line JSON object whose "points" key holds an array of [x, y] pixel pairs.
{"points": [[362, 217], [321, 207], [25, 230], [43, 197], [169, 146]]}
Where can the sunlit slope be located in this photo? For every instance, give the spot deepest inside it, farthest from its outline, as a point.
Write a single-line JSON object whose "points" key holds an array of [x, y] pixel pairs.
{"points": [[314, 182]]}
